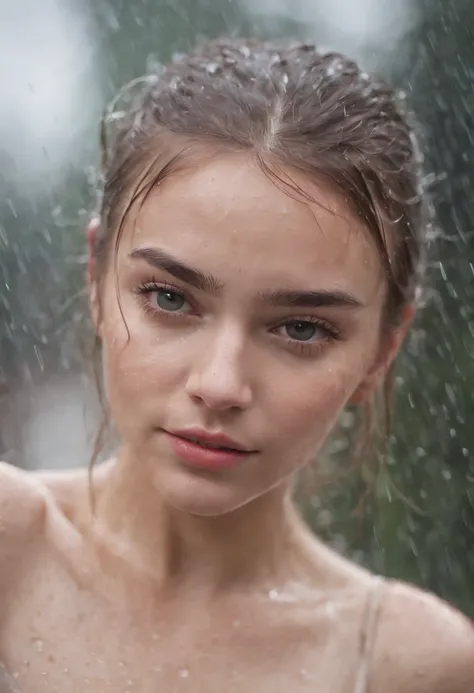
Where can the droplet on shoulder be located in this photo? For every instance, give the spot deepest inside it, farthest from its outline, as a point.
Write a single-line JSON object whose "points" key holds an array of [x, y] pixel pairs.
{"points": [[37, 644], [305, 675], [330, 609], [184, 673]]}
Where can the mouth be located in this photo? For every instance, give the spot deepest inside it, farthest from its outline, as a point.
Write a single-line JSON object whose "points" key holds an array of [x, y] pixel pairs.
{"points": [[212, 446], [214, 441], [206, 450]]}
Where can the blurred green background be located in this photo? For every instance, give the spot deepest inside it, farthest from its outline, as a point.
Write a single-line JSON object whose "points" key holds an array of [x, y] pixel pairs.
{"points": [[61, 63]]}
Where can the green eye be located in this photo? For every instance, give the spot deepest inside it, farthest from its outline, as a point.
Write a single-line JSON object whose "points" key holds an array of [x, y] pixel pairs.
{"points": [[301, 331], [169, 301]]}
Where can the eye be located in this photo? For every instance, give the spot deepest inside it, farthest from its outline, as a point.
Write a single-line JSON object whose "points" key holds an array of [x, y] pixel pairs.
{"points": [[169, 301], [305, 331]]}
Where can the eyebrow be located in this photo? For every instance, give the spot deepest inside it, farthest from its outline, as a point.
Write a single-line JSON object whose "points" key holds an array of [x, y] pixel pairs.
{"points": [[161, 260], [311, 299]]}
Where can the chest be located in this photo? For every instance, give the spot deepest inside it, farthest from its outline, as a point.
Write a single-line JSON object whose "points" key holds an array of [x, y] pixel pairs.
{"points": [[61, 635]]}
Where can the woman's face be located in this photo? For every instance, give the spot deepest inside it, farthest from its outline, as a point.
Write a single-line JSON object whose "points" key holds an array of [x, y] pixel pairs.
{"points": [[243, 312]]}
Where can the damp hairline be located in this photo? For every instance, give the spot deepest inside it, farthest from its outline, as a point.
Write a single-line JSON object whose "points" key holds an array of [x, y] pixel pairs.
{"points": [[184, 155]]}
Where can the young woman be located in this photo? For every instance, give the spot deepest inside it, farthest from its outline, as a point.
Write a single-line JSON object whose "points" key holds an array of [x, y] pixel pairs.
{"points": [[254, 270]]}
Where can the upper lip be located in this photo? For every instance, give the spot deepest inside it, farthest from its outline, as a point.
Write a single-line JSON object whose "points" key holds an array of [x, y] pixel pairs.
{"points": [[200, 434]]}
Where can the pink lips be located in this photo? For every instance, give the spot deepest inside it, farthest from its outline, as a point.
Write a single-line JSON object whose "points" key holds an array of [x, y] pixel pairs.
{"points": [[191, 447]]}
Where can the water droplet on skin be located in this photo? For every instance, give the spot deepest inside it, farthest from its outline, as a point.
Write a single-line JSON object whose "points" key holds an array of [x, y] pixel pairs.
{"points": [[305, 675], [330, 609], [236, 623], [16, 674], [184, 673], [37, 644], [66, 670], [273, 595], [155, 636]]}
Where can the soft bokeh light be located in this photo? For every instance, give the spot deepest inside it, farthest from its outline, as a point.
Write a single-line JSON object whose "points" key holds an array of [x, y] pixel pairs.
{"points": [[48, 93], [344, 24]]}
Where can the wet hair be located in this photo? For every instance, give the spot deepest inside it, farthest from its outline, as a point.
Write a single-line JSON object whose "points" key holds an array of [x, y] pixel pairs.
{"points": [[292, 108]]}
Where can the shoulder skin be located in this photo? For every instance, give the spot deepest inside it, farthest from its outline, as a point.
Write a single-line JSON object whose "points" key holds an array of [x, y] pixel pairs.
{"points": [[423, 645], [22, 518]]}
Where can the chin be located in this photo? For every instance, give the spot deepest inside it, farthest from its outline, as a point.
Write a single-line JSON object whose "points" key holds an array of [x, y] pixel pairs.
{"points": [[197, 493]]}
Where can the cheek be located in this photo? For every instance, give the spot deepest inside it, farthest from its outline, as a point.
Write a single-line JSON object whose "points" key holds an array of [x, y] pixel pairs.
{"points": [[140, 368], [310, 406]]}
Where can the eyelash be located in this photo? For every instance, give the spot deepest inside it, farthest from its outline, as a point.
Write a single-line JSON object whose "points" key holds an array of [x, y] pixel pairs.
{"points": [[308, 348], [149, 287]]}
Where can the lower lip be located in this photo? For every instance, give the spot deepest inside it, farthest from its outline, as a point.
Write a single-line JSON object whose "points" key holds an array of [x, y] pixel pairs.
{"points": [[197, 455]]}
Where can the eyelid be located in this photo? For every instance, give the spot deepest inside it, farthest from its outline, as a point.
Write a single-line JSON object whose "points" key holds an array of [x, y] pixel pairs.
{"points": [[319, 322], [152, 285], [333, 332]]}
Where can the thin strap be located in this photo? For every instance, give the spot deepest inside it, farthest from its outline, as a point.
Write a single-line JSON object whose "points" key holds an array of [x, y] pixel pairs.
{"points": [[368, 634]]}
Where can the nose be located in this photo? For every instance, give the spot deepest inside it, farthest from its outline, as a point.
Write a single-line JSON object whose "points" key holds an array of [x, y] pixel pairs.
{"points": [[218, 376]]}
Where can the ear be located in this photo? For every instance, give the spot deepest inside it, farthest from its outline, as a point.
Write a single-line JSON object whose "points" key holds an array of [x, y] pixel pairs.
{"points": [[389, 347], [92, 230]]}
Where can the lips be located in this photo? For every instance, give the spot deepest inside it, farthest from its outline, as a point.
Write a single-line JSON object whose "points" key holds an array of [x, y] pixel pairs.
{"points": [[212, 446], [211, 440], [201, 449]]}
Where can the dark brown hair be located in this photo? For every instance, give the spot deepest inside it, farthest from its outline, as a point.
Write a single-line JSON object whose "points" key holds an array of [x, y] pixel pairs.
{"points": [[291, 107]]}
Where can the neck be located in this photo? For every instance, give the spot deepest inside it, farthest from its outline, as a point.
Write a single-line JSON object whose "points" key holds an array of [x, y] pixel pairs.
{"points": [[247, 547]]}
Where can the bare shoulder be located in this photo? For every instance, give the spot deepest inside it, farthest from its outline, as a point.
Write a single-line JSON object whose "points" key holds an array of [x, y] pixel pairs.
{"points": [[423, 644], [22, 507], [22, 519], [30, 504]]}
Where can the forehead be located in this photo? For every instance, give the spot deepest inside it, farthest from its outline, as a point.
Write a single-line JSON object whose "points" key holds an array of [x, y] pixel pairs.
{"points": [[228, 217]]}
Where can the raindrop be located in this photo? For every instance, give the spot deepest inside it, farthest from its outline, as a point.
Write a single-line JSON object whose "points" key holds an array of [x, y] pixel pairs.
{"points": [[37, 644], [184, 673]]}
